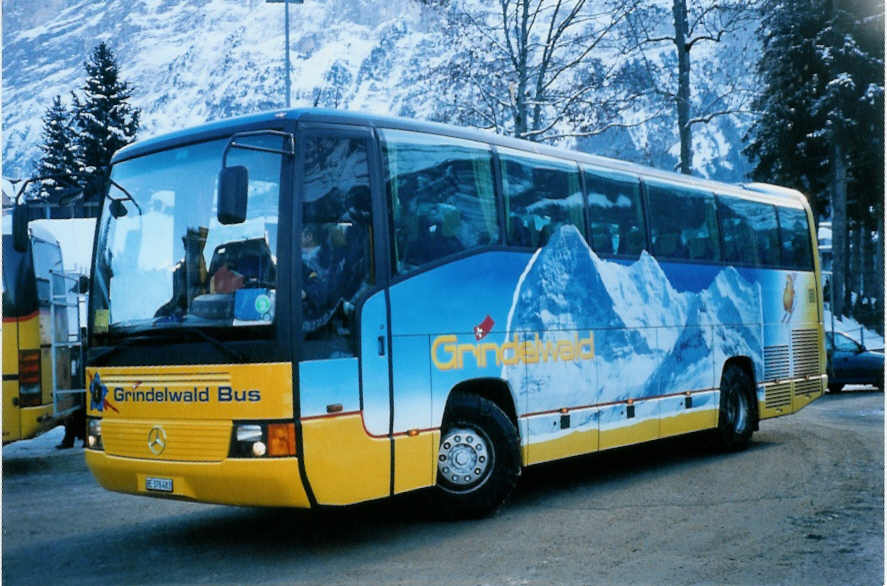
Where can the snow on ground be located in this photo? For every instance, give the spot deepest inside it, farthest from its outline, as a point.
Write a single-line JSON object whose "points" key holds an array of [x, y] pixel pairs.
{"points": [[40, 447], [869, 338]]}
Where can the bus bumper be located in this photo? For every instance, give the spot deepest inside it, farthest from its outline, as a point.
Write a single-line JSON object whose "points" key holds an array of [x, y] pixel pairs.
{"points": [[273, 482]]}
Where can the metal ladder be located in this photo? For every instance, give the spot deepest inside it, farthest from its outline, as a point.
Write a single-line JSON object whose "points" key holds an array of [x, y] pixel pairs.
{"points": [[64, 400]]}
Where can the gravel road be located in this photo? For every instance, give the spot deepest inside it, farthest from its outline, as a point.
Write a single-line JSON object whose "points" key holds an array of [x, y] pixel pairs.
{"points": [[803, 505]]}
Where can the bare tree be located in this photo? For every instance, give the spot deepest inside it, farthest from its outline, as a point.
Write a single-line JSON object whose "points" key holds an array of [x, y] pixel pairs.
{"points": [[535, 69], [707, 21]]}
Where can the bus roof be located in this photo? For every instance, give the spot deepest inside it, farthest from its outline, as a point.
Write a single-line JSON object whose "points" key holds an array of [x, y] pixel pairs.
{"points": [[272, 119], [34, 229]]}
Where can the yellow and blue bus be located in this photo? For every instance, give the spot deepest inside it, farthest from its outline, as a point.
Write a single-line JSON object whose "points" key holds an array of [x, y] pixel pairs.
{"points": [[308, 308]]}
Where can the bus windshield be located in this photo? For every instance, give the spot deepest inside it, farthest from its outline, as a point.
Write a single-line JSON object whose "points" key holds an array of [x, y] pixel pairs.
{"points": [[164, 261]]}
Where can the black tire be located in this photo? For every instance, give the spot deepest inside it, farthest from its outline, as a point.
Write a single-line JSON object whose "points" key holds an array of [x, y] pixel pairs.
{"points": [[737, 413], [478, 457], [835, 388]]}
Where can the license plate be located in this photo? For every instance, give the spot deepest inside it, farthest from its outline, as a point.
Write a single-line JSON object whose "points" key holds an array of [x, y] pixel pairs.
{"points": [[159, 484]]}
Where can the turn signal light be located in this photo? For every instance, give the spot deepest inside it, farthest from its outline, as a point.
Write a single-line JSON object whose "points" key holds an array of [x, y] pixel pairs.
{"points": [[281, 439], [260, 439]]}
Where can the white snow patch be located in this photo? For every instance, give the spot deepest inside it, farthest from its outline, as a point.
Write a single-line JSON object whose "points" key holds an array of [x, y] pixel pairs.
{"points": [[42, 446]]}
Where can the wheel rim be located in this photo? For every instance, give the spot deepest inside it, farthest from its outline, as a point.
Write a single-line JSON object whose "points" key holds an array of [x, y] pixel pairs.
{"points": [[737, 411], [464, 459]]}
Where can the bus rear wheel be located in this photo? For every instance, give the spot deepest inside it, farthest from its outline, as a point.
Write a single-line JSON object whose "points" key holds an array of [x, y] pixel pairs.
{"points": [[736, 413], [478, 461]]}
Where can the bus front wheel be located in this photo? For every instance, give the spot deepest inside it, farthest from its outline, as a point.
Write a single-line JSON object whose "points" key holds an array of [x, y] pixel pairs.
{"points": [[478, 461], [736, 413]]}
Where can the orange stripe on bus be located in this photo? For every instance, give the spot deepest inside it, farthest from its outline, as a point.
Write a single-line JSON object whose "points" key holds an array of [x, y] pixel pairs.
{"points": [[22, 318]]}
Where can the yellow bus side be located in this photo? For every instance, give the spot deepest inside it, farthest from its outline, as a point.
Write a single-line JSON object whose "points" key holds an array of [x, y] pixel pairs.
{"points": [[23, 422]]}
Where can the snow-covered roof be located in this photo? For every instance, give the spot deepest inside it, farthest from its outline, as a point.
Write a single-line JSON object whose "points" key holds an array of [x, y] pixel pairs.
{"points": [[39, 231], [75, 237]]}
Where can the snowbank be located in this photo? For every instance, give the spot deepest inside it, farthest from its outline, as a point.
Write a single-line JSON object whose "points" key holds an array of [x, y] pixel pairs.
{"points": [[869, 338], [40, 447]]}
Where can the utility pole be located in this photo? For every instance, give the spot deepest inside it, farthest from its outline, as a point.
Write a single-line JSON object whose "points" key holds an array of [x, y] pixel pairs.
{"points": [[286, 41]]}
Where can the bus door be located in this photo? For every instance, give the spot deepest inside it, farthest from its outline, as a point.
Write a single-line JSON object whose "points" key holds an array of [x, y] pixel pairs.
{"points": [[345, 395]]}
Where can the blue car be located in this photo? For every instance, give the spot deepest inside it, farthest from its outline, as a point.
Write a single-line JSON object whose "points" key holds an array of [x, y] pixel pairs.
{"points": [[850, 363]]}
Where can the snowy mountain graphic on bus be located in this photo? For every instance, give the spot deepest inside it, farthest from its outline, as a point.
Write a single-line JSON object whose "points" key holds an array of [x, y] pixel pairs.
{"points": [[731, 301], [649, 338]]}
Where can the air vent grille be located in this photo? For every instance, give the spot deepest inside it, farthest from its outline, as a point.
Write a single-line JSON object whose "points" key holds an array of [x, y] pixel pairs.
{"points": [[807, 386], [776, 362], [186, 441], [805, 352], [778, 395]]}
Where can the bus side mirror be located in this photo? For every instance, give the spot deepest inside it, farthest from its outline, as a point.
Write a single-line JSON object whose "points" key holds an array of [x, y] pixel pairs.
{"points": [[83, 284], [20, 228], [233, 187], [117, 209]]}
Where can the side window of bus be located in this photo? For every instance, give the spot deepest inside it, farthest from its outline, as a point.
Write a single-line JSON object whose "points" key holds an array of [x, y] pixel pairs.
{"points": [[442, 196], [683, 223], [748, 230], [615, 213], [336, 242], [795, 237], [737, 231], [541, 194], [767, 230], [47, 258]]}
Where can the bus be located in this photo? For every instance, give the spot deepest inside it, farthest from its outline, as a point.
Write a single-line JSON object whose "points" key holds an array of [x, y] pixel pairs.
{"points": [[42, 364], [316, 308]]}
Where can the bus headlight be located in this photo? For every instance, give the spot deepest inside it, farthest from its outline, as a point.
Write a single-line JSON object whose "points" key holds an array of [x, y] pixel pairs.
{"points": [[249, 433], [94, 434], [257, 440], [259, 449]]}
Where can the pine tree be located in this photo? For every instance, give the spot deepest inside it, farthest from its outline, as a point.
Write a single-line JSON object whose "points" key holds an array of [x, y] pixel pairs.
{"points": [[784, 141], [821, 126], [338, 82], [58, 162], [105, 120]]}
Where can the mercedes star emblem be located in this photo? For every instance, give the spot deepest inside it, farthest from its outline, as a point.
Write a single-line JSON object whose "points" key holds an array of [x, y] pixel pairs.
{"points": [[157, 440]]}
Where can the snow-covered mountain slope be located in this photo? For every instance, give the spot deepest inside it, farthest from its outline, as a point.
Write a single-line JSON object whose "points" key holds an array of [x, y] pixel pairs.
{"points": [[190, 61], [672, 344]]}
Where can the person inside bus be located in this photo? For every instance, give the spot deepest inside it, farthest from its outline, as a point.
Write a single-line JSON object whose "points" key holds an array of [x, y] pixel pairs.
{"points": [[226, 279], [335, 269], [315, 249], [316, 283], [189, 277]]}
